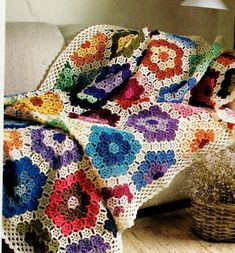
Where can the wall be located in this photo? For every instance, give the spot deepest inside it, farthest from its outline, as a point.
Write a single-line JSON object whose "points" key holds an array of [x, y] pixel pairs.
{"points": [[166, 15]]}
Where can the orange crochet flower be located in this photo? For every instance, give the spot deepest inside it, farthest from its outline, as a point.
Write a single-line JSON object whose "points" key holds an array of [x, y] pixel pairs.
{"points": [[49, 103], [90, 50], [164, 59], [12, 139], [202, 138]]}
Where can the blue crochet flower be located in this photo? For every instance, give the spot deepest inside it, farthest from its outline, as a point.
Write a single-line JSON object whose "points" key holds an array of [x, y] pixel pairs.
{"points": [[153, 167], [112, 151], [187, 42], [22, 186], [176, 91]]}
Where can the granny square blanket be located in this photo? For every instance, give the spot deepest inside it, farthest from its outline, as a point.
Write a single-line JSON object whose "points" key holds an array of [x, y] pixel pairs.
{"points": [[119, 115]]}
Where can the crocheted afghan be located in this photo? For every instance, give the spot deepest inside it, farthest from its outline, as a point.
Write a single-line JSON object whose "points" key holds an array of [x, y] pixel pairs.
{"points": [[120, 113]]}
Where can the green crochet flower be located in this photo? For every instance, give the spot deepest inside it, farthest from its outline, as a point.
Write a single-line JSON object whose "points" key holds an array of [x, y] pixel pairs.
{"points": [[66, 79], [202, 61]]}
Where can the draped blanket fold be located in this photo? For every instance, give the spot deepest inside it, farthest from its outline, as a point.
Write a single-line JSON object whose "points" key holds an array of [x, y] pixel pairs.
{"points": [[119, 115]]}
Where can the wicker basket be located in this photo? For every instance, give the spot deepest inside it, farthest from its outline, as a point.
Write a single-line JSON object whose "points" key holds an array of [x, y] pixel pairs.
{"points": [[214, 222]]}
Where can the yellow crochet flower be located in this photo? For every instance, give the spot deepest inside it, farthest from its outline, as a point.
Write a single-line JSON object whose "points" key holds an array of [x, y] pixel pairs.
{"points": [[125, 42], [90, 50], [49, 103], [90, 47]]}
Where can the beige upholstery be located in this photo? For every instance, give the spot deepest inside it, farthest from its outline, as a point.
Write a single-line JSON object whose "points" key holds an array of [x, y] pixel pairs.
{"points": [[30, 49], [70, 31]]}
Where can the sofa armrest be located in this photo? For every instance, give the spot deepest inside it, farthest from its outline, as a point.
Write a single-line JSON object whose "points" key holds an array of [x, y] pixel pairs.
{"points": [[30, 50]]}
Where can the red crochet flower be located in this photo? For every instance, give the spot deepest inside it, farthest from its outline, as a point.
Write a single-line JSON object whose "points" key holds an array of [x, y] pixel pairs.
{"points": [[74, 203], [164, 59], [201, 94], [116, 198], [226, 59], [131, 94], [36, 101]]}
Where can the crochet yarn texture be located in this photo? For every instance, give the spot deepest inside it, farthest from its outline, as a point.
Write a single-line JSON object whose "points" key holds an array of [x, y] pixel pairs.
{"points": [[119, 115]]}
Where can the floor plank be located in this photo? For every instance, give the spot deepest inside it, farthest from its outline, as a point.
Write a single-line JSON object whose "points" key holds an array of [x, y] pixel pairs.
{"points": [[169, 233]]}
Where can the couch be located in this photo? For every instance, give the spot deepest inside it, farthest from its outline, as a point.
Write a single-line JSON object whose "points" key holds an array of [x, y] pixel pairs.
{"points": [[34, 47]]}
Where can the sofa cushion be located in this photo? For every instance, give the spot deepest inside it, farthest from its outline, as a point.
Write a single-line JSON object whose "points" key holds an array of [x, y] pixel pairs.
{"points": [[70, 31], [30, 50]]}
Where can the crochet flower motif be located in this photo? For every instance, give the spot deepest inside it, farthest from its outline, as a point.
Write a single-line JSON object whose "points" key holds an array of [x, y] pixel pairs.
{"points": [[22, 186], [49, 103], [201, 94], [95, 244], [199, 62], [90, 50], [186, 111], [154, 124], [185, 41], [74, 203], [153, 167], [164, 59], [37, 237], [55, 153], [228, 84], [102, 116], [12, 140], [83, 80], [106, 83], [116, 198], [226, 59], [136, 91], [112, 151], [124, 43], [176, 91], [66, 78], [202, 138]]}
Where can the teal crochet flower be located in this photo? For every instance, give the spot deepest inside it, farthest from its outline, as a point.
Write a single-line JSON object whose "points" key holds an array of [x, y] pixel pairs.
{"points": [[112, 151]]}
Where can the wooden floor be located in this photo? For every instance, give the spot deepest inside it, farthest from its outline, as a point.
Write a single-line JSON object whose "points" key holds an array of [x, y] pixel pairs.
{"points": [[169, 233]]}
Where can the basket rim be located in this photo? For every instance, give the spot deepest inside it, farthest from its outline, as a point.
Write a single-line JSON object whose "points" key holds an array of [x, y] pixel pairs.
{"points": [[219, 205]]}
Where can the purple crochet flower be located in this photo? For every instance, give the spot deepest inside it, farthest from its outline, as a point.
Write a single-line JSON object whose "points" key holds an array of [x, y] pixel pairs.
{"points": [[55, 147], [95, 244], [154, 124], [108, 80]]}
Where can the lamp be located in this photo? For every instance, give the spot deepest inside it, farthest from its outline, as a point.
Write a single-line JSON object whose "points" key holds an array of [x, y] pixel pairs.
{"points": [[214, 4]]}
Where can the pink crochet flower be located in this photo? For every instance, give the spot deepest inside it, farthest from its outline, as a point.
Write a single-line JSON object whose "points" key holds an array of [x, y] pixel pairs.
{"points": [[186, 110], [74, 203], [116, 197]]}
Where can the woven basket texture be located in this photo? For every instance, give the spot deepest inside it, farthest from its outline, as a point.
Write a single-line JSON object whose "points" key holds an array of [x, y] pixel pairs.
{"points": [[214, 222]]}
